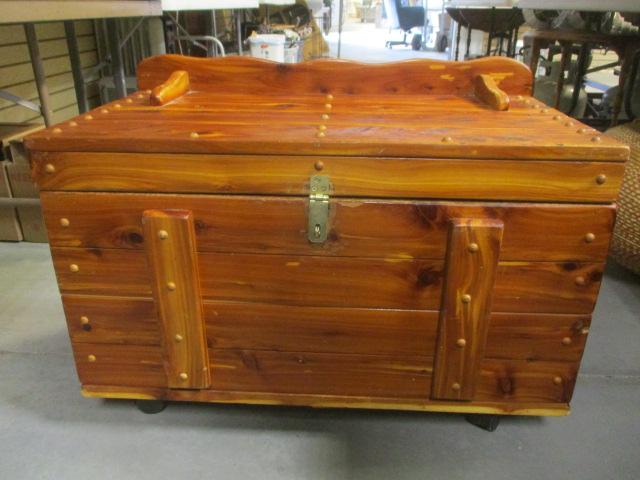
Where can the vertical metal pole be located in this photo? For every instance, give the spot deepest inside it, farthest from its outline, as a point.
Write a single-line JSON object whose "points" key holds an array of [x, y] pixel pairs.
{"points": [[340, 14], [469, 33], [239, 29], [38, 72], [76, 66], [117, 67]]}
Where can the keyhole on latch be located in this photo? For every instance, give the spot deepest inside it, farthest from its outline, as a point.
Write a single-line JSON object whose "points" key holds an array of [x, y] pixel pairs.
{"points": [[317, 230]]}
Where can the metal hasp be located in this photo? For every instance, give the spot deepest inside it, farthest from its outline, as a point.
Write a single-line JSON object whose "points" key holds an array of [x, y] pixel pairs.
{"points": [[319, 189]]}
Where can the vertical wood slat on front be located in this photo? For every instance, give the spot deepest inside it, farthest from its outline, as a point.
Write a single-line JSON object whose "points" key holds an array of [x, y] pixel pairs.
{"points": [[169, 239], [472, 258]]}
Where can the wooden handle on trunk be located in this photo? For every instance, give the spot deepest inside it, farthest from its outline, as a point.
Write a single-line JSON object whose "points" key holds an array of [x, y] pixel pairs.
{"points": [[488, 92], [175, 86]]}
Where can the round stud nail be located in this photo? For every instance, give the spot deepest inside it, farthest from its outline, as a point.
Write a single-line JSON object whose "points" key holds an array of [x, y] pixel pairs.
{"points": [[589, 237], [74, 268], [91, 358], [580, 280], [324, 116], [473, 247], [178, 337], [171, 286], [88, 117], [466, 298], [194, 135], [319, 165], [147, 92], [329, 97], [129, 100], [585, 331], [461, 342], [49, 168], [140, 96], [117, 105], [84, 320], [321, 134], [569, 124], [600, 179], [455, 386], [544, 110], [64, 222], [184, 376], [447, 139], [581, 130], [163, 234], [322, 128], [104, 110], [566, 341], [73, 124], [328, 106], [557, 117], [596, 139], [57, 130], [557, 380]]}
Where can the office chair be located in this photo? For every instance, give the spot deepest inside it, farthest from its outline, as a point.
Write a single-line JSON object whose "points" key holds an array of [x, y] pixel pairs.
{"points": [[404, 18]]}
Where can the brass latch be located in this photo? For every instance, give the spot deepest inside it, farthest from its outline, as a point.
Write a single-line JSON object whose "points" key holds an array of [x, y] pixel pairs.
{"points": [[319, 188]]}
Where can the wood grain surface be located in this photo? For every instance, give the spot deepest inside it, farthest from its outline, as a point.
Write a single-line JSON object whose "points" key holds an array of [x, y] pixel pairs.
{"points": [[357, 227], [527, 287], [327, 374], [175, 282], [472, 260], [251, 326], [415, 109], [351, 176]]}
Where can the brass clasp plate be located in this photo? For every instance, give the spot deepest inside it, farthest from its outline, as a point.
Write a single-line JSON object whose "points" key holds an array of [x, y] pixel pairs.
{"points": [[320, 187]]}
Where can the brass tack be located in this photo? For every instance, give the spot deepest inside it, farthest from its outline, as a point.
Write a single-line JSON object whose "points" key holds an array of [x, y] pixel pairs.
{"points": [[194, 135], [104, 110], [321, 134], [64, 222], [447, 139], [117, 105], [589, 237], [557, 380], [163, 234], [88, 117], [128, 100], [324, 116], [461, 342], [49, 168], [566, 341], [184, 376], [147, 91], [557, 117], [580, 280], [91, 358], [328, 106], [584, 331], [568, 124], [322, 128], [319, 165], [596, 139], [473, 247], [466, 298], [600, 179], [519, 97], [455, 386], [544, 110], [178, 337], [84, 320], [141, 96], [57, 130], [527, 102], [74, 268], [171, 286], [582, 130], [329, 97], [73, 124]]}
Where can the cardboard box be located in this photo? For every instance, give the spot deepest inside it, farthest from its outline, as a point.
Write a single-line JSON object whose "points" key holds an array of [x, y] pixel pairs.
{"points": [[21, 185]]}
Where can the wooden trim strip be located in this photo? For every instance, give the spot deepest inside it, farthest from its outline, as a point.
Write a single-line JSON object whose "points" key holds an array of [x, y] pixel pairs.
{"points": [[323, 401], [541, 181], [472, 260]]}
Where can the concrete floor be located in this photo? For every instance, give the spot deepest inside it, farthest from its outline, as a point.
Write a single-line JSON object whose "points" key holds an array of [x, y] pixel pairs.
{"points": [[48, 431]]}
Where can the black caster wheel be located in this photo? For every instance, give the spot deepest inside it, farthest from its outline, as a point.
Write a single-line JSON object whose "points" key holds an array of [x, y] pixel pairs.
{"points": [[151, 406], [485, 422]]}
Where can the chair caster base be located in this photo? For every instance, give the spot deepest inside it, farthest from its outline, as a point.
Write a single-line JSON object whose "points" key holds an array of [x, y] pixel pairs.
{"points": [[151, 406], [486, 422]]}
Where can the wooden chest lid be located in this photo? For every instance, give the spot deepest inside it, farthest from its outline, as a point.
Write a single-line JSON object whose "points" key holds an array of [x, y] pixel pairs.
{"points": [[418, 108]]}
